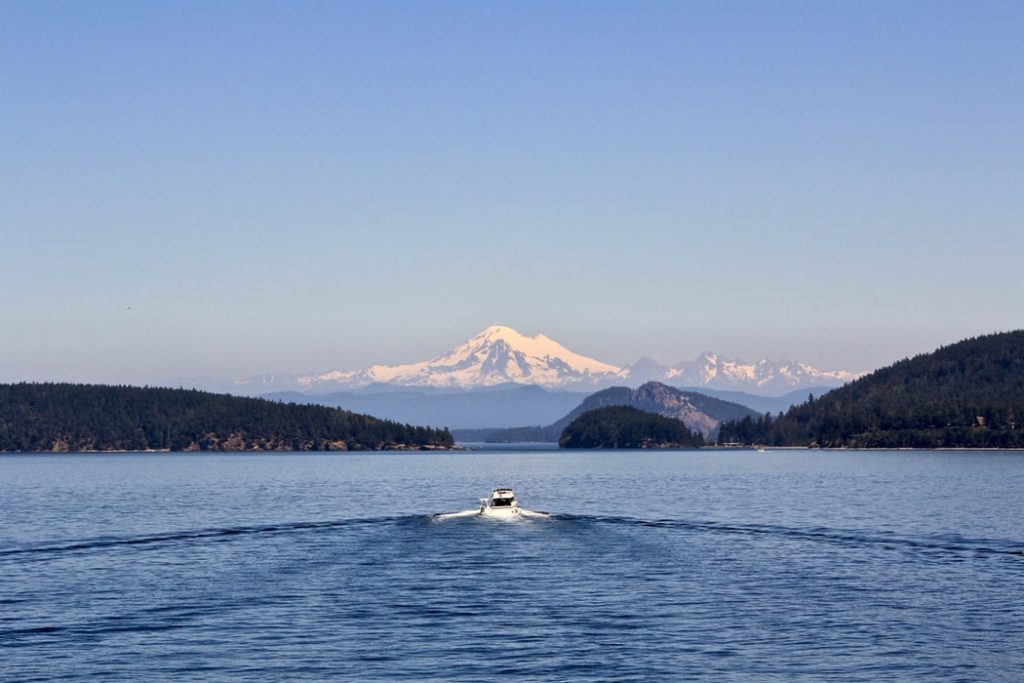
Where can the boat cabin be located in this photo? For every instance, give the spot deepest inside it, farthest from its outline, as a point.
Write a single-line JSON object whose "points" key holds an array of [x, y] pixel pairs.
{"points": [[502, 498]]}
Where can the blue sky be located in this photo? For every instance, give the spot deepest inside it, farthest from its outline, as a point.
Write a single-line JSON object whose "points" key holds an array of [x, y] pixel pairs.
{"points": [[288, 187]]}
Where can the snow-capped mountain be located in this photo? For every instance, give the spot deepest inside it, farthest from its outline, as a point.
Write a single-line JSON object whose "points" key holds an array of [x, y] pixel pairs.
{"points": [[715, 372], [501, 355], [497, 355]]}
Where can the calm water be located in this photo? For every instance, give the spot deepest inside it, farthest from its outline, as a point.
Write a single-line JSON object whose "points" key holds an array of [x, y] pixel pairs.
{"points": [[790, 566]]}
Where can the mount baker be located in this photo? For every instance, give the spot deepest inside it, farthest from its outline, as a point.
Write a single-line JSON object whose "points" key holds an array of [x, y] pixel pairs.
{"points": [[501, 355]]}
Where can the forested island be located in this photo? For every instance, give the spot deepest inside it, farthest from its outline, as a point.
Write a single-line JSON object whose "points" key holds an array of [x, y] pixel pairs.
{"points": [[82, 417], [627, 427], [966, 395]]}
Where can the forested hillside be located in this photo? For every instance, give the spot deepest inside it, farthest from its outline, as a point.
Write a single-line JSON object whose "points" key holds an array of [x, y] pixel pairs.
{"points": [[76, 417], [969, 394], [627, 427]]}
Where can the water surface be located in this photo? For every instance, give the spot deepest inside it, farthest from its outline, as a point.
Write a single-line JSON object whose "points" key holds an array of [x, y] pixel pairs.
{"points": [[683, 565]]}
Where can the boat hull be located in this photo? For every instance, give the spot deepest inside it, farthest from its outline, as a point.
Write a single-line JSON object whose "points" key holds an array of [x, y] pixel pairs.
{"points": [[500, 513]]}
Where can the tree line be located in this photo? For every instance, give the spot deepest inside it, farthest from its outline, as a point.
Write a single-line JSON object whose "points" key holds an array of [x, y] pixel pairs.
{"points": [[966, 395], [81, 417]]}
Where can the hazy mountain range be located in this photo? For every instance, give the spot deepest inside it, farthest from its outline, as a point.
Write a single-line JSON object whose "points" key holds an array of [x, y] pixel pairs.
{"points": [[500, 355], [499, 406], [697, 411], [504, 405]]}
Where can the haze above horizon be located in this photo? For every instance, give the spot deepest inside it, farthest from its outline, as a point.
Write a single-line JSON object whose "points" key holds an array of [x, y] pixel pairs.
{"points": [[222, 190]]}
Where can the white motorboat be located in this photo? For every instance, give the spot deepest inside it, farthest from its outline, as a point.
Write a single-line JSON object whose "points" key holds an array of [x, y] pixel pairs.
{"points": [[502, 504]]}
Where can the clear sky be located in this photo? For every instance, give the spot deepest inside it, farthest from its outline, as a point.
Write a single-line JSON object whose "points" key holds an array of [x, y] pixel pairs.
{"points": [[304, 186]]}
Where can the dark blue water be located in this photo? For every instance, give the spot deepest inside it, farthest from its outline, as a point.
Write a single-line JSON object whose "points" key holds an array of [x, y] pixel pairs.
{"points": [[790, 566]]}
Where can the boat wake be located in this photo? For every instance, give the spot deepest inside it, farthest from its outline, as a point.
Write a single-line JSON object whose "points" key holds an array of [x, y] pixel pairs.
{"points": [[224, 533], [521, 515], [933, 544], [941, 543]]}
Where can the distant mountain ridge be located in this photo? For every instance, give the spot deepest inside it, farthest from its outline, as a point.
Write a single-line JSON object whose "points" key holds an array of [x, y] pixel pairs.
{"points": [[501, 405], [698, 412], [501, 355], [715, 372], [761, 404]]}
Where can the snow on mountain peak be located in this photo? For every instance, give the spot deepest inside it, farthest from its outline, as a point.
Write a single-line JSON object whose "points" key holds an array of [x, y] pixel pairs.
{"points": [[500, 354], [764, 376], [499, 332], [497, 355]]}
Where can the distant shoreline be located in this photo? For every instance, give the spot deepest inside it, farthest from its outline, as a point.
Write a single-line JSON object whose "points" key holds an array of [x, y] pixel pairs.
{"points": [[500, 447], [409, 449]]}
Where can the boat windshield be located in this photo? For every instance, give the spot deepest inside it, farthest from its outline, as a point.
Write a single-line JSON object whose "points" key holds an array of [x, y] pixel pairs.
{"points": [[501, 502]]}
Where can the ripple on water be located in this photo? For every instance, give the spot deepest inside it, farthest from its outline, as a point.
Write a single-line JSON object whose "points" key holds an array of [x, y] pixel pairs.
{"points": [[311, 584]]}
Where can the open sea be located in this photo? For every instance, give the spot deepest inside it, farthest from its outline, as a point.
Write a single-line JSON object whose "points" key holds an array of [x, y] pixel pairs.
{"points": [[655, 566]]}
